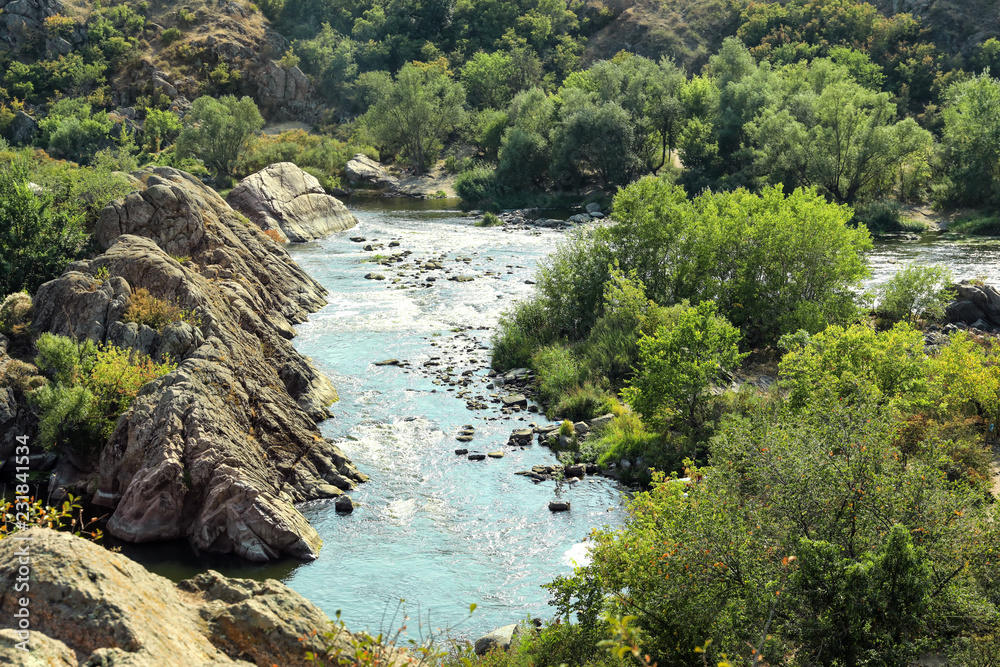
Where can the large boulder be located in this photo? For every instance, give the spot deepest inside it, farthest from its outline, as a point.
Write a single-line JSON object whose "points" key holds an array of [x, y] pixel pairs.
{"points": [[974, 302], [91, 606], [362, 170], [285, 198], [219, 450]]}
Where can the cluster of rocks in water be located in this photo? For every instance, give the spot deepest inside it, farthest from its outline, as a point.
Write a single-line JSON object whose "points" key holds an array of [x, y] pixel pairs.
{"points": [[529, 218]]}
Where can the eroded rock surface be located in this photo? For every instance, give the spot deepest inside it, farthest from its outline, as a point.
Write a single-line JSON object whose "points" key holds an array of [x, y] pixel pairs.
{"points": [[219, 450], [363, 170], [91, 606], [285, 198]]}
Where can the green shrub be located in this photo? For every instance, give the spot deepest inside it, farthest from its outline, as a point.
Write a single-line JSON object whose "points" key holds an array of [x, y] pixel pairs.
{"points": [[857, 363], [558, 371], [489, 220], [519, 333], [582, 402], [679, 363], [479, 186], [879, 216], [612, 348], [144, 308], [170, 35], [92, 387], [914, 291]]}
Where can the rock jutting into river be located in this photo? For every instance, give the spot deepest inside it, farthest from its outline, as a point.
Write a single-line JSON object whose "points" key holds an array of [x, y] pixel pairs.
{"points": [[91, 606], [219, 450], [285, 199]]}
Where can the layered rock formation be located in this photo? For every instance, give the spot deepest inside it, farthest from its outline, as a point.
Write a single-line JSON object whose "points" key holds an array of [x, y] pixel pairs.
{"points": [[219, 450], [90, 606], [284, 198]]}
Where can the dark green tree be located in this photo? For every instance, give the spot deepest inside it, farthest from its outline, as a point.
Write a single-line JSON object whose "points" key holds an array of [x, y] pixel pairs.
{"points": [[37, 240]]}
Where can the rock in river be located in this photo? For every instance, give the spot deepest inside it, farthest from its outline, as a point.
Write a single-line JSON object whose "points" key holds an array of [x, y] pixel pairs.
{"points": [[285, 198]]}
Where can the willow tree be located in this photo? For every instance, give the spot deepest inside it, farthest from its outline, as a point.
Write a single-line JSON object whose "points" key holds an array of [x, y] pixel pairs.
{"points": [[422, 105]]}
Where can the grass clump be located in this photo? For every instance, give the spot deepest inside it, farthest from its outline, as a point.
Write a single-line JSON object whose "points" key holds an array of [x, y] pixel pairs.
{"points": [[977, 225], [144, 308], [489, 220]]}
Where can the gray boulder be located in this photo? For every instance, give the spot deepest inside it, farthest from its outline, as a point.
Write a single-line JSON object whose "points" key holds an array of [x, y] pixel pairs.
{"points": [[219, 450], [23, 129], [285, 198], [501, 639], [363, 170], [91, 606]]}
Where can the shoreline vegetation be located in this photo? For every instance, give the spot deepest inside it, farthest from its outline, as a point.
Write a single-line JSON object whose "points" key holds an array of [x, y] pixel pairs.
{"points": [[816, 463]]}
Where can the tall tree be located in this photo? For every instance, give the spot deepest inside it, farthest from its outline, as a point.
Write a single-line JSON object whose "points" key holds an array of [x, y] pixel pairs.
{"points": [[219, 130], [422, 106]]}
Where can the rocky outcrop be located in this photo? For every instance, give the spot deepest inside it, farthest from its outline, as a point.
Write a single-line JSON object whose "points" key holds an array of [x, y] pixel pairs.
{"points": [[219, 450], [282, 197], [282, 87], [977, 305], [362, 170], [91, 606]]}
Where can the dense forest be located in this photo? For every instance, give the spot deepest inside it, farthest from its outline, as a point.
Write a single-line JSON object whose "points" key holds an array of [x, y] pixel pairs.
{"points": [[842, 515]]}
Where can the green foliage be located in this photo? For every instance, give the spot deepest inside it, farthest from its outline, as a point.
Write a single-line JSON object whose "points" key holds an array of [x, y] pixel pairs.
{"points": [[219, 131], [803, 530], [170, 35], [160, 128], [583, 402], [92, 386], [857, 363], [422, 106], [612, 348], [971, 141], [489, 220], [558, 371], [489, 79], [519, 333], [914, 291], [36, 241], [479, 186], [756, 256], [679, 363], [73, 131]]}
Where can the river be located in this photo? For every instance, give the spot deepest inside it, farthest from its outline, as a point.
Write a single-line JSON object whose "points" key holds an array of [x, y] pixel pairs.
{"points": [[433, 528]]}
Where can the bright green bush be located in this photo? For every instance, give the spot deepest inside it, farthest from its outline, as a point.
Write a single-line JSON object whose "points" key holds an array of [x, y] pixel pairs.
{"points": [[169, 36], [479, 186], [91, 387], [818, 524], [558, 371], [36, 240], [914, 291], [858, 363], [679, 363], [519, 333], [582, 402]]}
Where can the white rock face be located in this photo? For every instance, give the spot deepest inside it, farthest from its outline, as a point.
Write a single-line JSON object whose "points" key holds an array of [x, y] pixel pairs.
{"points": [[366, 171], [287, 199]]}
